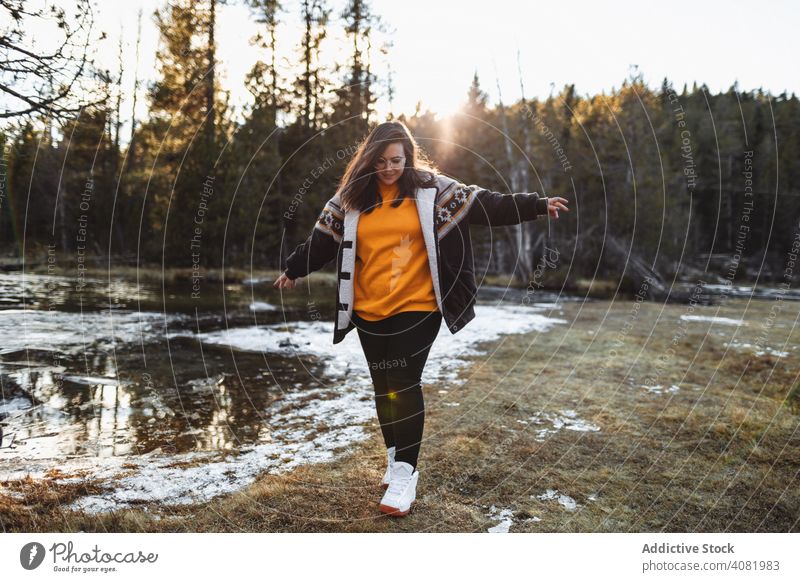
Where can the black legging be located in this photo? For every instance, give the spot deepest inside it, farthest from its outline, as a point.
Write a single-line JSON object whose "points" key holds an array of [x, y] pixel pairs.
{"points": [[396, 349]]}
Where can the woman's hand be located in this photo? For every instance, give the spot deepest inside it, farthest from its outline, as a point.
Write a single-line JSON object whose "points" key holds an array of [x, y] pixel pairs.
{"points": [[556, 203], [284, 282]]}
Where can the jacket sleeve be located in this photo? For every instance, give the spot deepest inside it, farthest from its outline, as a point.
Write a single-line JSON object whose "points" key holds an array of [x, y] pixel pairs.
{"points": [[320, 247], [496, 209]]}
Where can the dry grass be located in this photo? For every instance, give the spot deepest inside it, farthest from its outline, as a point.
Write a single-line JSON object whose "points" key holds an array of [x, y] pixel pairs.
{"points": [[720, 454], [36, 504]]}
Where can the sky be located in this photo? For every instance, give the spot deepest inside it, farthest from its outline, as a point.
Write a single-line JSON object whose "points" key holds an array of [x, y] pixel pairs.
{"points": [[438, 46]]}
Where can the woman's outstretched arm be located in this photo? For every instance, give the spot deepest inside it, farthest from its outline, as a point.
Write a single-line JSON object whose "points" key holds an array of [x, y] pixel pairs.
{"points": [[320, 247], [497, 209]]}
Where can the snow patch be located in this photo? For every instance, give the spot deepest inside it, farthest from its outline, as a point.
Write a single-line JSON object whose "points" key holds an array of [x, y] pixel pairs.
{"points": [[504, 516], [263, 306], [568, 419], [565, 501], [92, 380], [74, 332], [712, 319], [767, 351], [659, 389]]}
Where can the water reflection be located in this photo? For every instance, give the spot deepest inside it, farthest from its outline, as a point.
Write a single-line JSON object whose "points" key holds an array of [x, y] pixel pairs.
{"points": [[83, 375], [108, 411]]}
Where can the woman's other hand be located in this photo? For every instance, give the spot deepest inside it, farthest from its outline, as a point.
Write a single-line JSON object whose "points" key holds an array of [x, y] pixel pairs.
{"points": [[284, 282], [555, 204]]}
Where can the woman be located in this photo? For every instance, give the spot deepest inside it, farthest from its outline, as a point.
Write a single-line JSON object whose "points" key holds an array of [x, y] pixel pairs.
{"points": [[400, 232]]}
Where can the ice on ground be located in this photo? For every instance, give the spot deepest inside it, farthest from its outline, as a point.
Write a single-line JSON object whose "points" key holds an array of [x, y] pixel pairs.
{"points": [[257, 280], [564, 500], [92, 380], [74, 332], [772, 352], [766, 351], [568, 419], [504, 516], [263, 306], [660, 389], [755, 292], [13, 405], [713, 319], [447, 356]]}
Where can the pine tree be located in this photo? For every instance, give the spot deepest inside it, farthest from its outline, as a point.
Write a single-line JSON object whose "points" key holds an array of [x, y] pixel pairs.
{"points": [[356, 98], [180, 137]]}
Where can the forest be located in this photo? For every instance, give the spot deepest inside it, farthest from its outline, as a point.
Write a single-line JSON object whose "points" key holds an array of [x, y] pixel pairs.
{"points": [[677, 180]]}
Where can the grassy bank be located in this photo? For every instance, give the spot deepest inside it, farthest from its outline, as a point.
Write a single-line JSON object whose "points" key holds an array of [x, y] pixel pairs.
{"points": [[719, 453]]}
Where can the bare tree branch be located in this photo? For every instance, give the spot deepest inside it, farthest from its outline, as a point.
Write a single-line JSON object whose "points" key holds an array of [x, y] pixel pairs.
{"points": [[50, 82]]}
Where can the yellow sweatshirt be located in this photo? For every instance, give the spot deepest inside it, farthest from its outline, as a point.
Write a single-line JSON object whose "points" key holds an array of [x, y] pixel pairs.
{"points": [[392, 273]]}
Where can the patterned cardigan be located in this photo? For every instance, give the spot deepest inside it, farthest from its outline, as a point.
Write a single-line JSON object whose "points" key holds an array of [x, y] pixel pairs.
{"points": [[445, 213]]}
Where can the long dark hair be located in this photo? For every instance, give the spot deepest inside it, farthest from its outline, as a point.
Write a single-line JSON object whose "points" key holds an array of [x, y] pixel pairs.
{"points": [[358, 188]]}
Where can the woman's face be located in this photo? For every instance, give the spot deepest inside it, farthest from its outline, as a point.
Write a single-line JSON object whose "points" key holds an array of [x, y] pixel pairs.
{"points": [[390, 164]]}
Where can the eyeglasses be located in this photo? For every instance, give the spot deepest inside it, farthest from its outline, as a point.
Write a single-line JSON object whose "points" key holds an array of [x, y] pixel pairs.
{"points": [[395, 162]]}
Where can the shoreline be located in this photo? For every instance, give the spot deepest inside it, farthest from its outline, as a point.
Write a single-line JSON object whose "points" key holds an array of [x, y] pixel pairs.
{"points": [[593, 288]]}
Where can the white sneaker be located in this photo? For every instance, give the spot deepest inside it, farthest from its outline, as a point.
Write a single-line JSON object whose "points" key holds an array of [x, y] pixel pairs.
{"points": [[387, 476], [402, 490]]}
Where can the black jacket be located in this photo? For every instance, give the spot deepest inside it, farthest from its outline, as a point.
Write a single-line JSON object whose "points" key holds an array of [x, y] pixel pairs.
{"points": [[445, 213]]}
